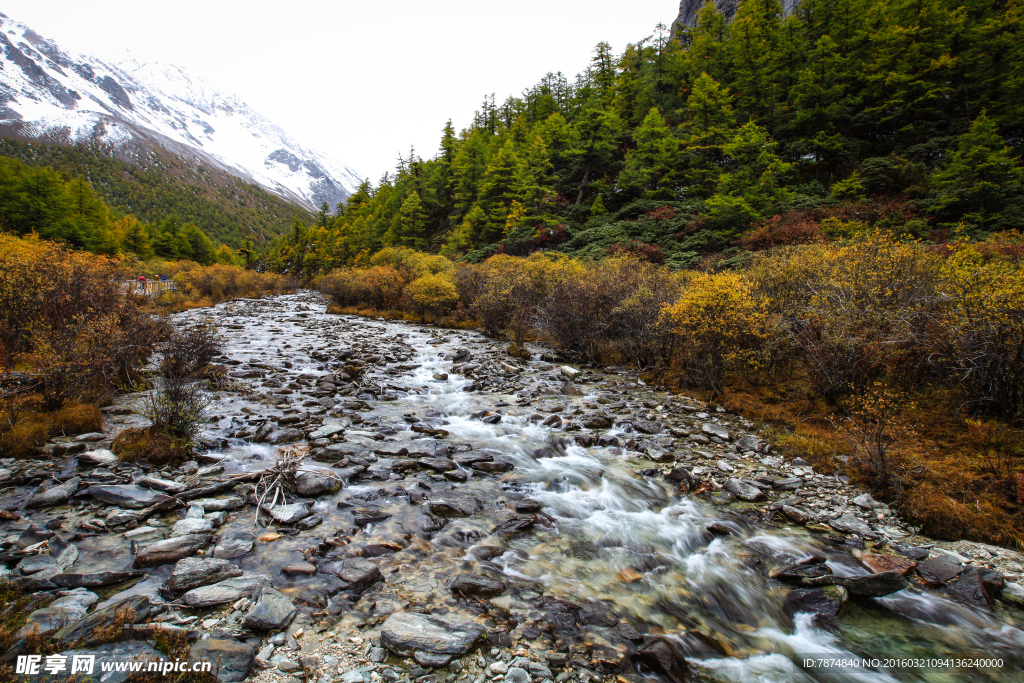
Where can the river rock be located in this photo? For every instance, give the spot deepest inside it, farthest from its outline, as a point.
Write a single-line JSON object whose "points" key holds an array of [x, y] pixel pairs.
{"points": [[744, 491], [885, 563], [191, 525], [849, 524], [865, 502], [89, 630], [59, 613], [326, 431], [665, 657], [976, 586], [170, 550], [747, 442], [797, 515], [272, 611], [55, 495], [220, 504], [95, 579], [234, 543], [287, 435], [788, 484], [939, 570], [110, 656], [824, 603], [231, 659], [571, 373], [227, 590], [359, 573], [128, 495], [193, 572], [647, 426], [100, 457], [477, 585], [868, 586], [717, 431], [289, 514], [170, 487], [406, 633], [311, 483], [1013, 594], [456, 504]]}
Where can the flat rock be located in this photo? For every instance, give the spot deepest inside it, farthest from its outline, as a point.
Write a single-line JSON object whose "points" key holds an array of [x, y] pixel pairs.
{"points": [[55, 495], [234, 543], [89, 630], [287, 435], [824, 603], [272, 611], [359, 573], [326, 431], [100, 457], [306, 568], [193, 572], [456, 504], [59, 613], [849, 524], [797, 515], [939, 570], [227, 590], [94, 580], [887, 563], [191, 525], [405, 633], [231, 659], [477, 585], [868, 586], [170, 550], [976, 586], [220, 504], [717, 431], [647, 426], [744, 491], [110, 656], [289, 514], [788, 484], [169, 487], [128, 495]]}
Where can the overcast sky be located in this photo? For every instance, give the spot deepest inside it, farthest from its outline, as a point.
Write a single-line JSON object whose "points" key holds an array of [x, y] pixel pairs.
{"points": [[360, 80]]}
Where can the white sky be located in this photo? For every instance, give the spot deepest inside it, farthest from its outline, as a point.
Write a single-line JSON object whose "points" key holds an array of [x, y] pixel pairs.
{"points": [[360, 80]]}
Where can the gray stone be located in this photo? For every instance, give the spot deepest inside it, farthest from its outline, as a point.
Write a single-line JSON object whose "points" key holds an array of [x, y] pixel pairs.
{"points": [[231, 659], [570, 372], [865, 502], [128, 495], [477, 586], [326, 431], [170, 550], [90, 630], [227, 590], [33, 564], [744, 491], [193, 572], [746, 443], [316, 482], [100, 457], [95, 579], [287, 435], [188, 526], [234, 542], [796, 514], [789, 484], [107, 657], [939, 569], [405, 633], [59, 613], [1013, 594], [359, 573], [517, 675], [289, 514], [849, 524], [221, 504], [717, 431], [824, 603], [647, 426], [272, 611], [55, 495], [868, 586], [169, 487]]}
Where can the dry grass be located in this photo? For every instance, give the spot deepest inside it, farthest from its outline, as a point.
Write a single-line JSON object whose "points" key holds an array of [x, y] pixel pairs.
{"points": [[943, 481], [133, 445], [32, 429]]}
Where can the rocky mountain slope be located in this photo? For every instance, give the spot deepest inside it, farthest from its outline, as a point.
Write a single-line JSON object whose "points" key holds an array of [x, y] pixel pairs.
{"points": [[50, 95], [689, 9]]}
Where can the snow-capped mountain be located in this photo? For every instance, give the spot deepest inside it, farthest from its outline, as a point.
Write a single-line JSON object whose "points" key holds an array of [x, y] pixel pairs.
{"points": [[47, 94]]}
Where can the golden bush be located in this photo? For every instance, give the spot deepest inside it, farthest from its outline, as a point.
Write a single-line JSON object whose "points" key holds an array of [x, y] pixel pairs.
{"points": [[435, 294]]}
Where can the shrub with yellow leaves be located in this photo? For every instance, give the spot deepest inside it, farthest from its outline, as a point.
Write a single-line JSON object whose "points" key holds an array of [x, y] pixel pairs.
{"points": [[432, 293]]}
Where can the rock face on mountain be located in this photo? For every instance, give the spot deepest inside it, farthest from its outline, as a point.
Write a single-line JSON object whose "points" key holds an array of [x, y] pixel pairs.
{"points": [[689, 9], [49, 95]]}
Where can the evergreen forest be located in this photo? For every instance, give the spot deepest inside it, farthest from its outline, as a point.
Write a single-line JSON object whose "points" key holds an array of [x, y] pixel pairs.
{"points": [[705, 144]]}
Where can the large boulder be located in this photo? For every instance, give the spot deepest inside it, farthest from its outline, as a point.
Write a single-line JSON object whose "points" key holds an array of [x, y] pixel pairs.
{"points": [[868, 586], [108, 661], [272, 611], [717, 431], [55, 495], [976, 586], [408, 633], [128, 495], [170, 550], [823, 603], [744, 491], [231, 659], [664, 657], [193, 572], [849, 524], [289, 514], [940, 569], [59, 613]]}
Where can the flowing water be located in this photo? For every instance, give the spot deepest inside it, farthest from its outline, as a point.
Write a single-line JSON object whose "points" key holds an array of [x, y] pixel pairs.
{"points": [[605, 538]]}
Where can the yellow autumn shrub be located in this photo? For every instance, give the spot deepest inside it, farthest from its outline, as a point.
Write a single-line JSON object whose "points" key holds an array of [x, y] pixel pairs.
{"points": [[432, 293]]}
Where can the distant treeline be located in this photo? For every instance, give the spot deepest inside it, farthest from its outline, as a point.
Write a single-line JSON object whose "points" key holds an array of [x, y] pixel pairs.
{"points": [[735, 135]]}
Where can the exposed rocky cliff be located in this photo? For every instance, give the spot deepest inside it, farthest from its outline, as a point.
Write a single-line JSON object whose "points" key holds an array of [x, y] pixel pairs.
{"points": [[689, 9]]}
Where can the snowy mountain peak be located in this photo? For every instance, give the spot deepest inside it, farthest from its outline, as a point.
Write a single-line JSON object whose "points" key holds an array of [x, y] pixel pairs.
{"points": [[49, 94]]}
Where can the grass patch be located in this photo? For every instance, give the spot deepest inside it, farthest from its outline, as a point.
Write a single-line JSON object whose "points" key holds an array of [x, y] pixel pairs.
{"points": [[32, 429], [148, 444]]}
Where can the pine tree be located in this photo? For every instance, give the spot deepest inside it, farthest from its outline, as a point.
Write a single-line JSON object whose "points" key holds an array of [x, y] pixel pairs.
{"points": [[498, 191], [651, 169], [409, 225], [707, 127]]}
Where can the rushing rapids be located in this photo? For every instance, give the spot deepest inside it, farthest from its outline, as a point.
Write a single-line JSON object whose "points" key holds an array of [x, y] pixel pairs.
{"points": [[531, 499]]}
